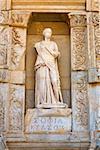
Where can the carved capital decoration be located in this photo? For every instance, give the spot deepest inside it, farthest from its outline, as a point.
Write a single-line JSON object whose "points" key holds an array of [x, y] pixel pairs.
{"points": [[77, 20], [19, 18]]}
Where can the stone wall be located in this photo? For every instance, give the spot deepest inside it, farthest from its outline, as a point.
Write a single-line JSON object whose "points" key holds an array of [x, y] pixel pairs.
{"points": [[84, 27]]}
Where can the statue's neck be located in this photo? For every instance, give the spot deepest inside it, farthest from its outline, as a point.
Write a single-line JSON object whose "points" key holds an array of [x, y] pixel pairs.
{"points": [[47, 40]]}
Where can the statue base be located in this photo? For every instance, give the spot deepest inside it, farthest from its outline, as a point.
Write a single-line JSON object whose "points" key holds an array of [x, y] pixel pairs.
{"points": [[48, 121], [58, 105]]}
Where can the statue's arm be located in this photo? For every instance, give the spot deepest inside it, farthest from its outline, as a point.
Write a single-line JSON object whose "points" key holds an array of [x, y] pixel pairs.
{"points": [[56, 51]]}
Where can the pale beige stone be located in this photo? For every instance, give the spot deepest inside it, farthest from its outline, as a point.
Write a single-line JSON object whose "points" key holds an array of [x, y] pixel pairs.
{"points": [[44, 6], [93, 5], [17, 77], [48, 120], [5, 5]]}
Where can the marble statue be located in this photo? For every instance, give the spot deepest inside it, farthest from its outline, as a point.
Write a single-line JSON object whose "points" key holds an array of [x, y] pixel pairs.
{"points": [[47, 86]]}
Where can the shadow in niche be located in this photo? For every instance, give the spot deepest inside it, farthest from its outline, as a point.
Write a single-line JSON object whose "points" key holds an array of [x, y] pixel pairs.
{"points": [[61, 35]]}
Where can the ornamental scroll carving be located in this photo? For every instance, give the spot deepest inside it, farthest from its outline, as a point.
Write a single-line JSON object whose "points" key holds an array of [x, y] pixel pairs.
{"points": [[79, 41], [80, 101], [18, 46], [96, 22], [16, 102], [79, 46]]}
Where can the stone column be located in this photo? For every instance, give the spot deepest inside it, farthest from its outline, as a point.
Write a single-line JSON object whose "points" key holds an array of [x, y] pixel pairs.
{"points": [[16, 101], [94, 75], [4, 61], [79, 66]]}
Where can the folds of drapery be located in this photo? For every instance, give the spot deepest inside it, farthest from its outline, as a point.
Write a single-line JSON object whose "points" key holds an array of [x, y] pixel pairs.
{"points": [[47, 86]]}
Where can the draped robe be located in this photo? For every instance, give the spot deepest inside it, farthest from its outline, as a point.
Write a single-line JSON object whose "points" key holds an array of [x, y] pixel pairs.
{"points": [[47, 83]]}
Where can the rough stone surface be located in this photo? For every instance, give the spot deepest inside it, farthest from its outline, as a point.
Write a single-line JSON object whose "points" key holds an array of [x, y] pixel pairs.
{"points": [[48, 121]]}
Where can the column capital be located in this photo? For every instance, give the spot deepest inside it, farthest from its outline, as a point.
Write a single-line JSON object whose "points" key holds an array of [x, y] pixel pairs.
{"points": [[77, 19], [19, 18]]}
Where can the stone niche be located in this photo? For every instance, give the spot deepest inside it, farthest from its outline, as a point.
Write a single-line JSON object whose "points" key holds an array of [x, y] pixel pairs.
{"points": [[60, 26], [48, 120]]}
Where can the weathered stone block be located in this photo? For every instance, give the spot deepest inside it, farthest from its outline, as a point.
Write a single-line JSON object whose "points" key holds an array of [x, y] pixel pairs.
{"points": [[17, 77], [94, 75], [48, 121]]}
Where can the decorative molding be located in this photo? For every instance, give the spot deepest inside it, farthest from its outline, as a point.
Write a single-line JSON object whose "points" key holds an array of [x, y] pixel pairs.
{"points": [[50, 6], [77, 19]]}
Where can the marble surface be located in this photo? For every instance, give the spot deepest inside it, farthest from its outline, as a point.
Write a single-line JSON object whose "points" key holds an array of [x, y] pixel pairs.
{"points": [[48, 121]]}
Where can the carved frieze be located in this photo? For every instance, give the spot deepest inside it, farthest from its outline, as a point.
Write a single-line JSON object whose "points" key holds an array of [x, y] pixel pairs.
{"points": [[16, 108], [80, 101], [77, 20], [18, 47]]}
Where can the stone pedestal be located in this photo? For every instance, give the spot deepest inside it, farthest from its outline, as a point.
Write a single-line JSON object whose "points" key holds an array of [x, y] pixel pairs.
{"points": [[48, 121]]}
